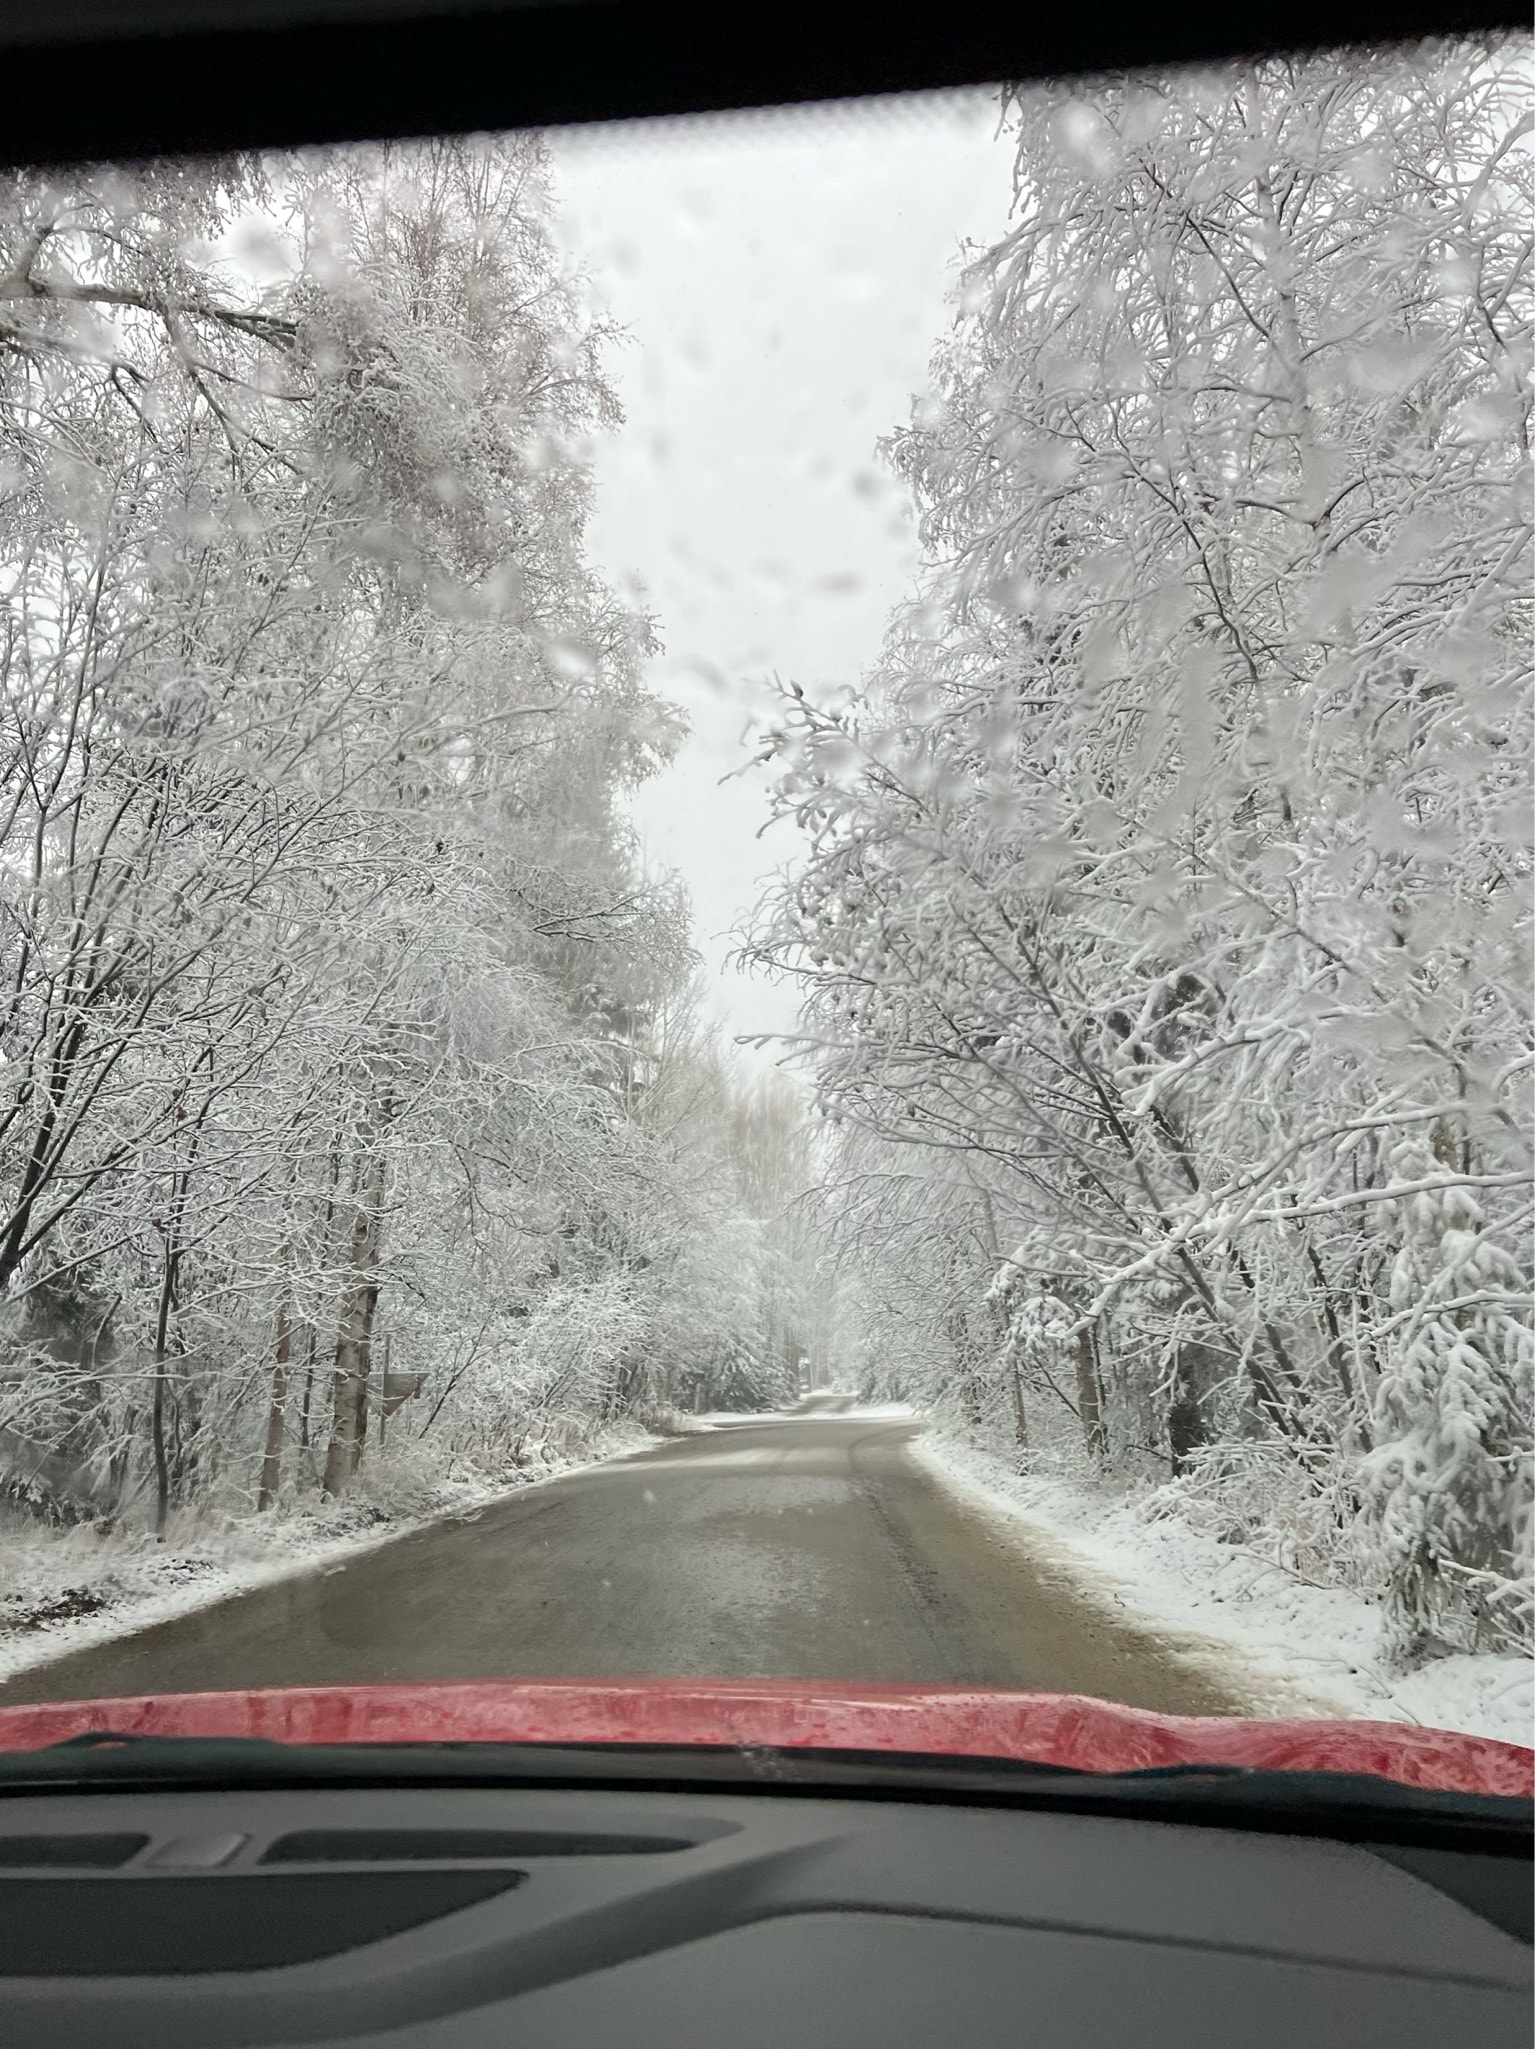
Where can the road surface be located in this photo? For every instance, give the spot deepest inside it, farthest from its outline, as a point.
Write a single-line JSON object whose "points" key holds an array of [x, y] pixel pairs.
{"points": [[811, 1547]]}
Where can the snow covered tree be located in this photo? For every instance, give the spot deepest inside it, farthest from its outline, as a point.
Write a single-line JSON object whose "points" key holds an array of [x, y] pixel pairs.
{"points": [[333, 989], [1451, 1479], [1172, 866]]}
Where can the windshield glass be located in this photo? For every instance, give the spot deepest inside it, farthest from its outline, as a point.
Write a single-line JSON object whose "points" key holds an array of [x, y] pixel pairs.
{"points": [[764, 901]]}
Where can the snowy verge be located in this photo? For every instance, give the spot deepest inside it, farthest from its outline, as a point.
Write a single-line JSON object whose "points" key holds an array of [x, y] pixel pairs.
{"points": [[69, 1590], [1321, 1643]]}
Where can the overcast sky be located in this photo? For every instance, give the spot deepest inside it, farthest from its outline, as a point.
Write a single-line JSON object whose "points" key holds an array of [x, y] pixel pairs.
{"points": [[783, 279]]}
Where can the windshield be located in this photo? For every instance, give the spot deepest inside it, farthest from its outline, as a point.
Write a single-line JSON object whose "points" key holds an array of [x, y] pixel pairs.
{"points": [[764, 901]]}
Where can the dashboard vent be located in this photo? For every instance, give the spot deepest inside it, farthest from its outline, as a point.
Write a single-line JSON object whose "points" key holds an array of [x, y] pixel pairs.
{"points": [[68, 1853], [454, 1845], [150, 1927]]}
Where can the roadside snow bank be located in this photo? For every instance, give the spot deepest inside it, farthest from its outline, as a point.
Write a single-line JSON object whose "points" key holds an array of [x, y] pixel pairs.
{"points": [[66, 1590], [1323, 1642]]}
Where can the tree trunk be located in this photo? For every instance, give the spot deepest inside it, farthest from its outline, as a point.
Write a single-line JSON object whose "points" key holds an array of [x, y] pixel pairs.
{"points": [[1186, 1426], [157, 1411], [303, 1419], [1089, 1394], [1020, 1414], [271, 1461], [383, 1396], [355, 1331]]}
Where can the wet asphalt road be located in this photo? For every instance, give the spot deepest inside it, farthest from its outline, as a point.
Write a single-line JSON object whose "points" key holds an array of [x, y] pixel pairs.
{"points": [[811, 1547]]}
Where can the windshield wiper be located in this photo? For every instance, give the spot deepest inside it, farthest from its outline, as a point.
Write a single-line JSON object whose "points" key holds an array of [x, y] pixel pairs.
{"points": [[1347, 1806]]}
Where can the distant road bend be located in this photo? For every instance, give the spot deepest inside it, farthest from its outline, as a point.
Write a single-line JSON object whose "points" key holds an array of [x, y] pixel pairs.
{"points": [[808, 1546]]}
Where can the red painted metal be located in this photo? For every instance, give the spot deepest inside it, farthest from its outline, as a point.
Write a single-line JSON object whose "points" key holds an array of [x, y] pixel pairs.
{"points": [[1043, 1728]]}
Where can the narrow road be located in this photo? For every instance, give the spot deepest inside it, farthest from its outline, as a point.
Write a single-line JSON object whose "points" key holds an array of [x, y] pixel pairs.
{"points": [[810, 1547]]}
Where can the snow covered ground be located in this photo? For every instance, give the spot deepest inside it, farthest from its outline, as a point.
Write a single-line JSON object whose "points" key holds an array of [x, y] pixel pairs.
{"points": [[63, 1590], [1323, 1643]]}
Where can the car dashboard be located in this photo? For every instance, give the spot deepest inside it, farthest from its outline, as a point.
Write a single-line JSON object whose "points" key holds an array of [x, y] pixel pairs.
{"points": [[472, 1916]]}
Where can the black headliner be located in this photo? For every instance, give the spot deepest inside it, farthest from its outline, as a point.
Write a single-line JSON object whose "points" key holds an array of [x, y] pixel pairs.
{"points": [[111, 78]]}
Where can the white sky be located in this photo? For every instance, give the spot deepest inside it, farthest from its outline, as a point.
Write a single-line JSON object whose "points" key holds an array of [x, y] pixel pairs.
{"points": [[782, 277]]}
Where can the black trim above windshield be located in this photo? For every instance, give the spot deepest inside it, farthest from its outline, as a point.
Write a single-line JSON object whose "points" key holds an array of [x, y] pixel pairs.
{"points": [[112, 78]]}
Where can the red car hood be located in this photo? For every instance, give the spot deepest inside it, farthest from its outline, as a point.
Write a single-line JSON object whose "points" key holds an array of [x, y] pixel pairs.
{"points": [[1038, 1728]]}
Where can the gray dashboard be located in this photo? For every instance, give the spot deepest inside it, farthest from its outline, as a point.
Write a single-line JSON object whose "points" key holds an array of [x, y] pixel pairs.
{"points": [[545, 1918]]}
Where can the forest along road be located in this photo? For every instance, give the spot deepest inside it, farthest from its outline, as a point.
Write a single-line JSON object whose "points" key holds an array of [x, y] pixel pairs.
{"points": [[812, 1547]]}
